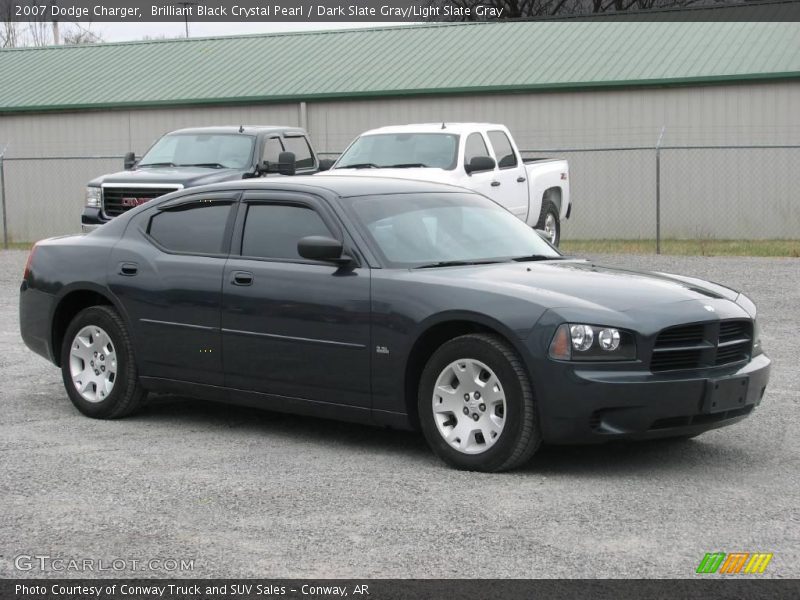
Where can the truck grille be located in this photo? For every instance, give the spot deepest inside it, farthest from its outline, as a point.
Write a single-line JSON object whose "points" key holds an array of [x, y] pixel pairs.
{"points": [[117, 200], [702, 345]]}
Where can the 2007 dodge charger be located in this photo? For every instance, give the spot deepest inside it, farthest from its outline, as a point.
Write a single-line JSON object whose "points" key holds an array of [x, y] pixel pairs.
{"points": [[393, 302]]}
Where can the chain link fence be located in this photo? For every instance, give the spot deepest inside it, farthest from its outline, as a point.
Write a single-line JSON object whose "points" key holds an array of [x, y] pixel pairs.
{"points": [[682, 193], [634, 193]]}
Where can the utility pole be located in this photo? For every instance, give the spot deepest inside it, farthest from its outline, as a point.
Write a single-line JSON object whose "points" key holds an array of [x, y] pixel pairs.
{"points": [[186, 6]]}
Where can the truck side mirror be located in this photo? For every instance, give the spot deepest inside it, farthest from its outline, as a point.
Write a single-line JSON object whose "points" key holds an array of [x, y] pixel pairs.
{"points": [[287, 163], [325, 164], [479, 163], [130, 161]]}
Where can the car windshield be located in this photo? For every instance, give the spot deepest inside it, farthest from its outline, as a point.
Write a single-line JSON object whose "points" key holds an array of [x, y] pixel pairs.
{"points": [[215, 151], [401, 150], [442, 229]]}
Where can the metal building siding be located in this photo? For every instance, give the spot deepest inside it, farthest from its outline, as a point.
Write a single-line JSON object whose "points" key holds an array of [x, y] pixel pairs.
{"points": [[429, 59]]}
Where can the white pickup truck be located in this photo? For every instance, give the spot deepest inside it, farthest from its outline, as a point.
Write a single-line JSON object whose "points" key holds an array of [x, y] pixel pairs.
{"points": [[479, 156]]}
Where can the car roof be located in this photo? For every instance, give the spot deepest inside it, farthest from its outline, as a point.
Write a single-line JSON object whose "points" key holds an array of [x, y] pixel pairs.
{"points": [[343, 186], [245, 129], [440, 127]]}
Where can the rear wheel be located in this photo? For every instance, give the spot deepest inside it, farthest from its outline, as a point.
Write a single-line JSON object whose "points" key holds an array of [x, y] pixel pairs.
{"points": [[476, 405], [97, 365], [549, 222]]}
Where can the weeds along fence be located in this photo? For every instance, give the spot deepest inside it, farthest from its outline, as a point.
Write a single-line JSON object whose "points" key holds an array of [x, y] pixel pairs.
{"points": [[630, 193]]}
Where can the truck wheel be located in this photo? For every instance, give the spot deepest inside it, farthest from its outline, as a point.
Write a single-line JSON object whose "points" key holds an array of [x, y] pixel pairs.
{"points": [[476, 405], [97, 365], [550, 222]]}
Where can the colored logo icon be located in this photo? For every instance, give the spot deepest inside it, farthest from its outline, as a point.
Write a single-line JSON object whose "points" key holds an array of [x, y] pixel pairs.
{"points": [[734, 563]]}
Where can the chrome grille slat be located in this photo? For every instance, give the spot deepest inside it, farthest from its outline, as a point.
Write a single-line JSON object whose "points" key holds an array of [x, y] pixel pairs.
{"points": [[114, 197]]}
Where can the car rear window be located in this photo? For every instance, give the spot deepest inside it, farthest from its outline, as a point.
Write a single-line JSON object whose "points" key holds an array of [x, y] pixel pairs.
{"points": [[196, 228]]}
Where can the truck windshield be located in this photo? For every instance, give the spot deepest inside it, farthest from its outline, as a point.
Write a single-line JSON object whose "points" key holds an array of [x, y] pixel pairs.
{"points": [[401, 150], [444, 229], [216, 151]]}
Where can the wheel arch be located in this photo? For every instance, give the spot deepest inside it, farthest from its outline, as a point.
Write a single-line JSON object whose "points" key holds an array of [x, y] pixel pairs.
{"points": [[436, 331], [72, 300], [553, 194]]}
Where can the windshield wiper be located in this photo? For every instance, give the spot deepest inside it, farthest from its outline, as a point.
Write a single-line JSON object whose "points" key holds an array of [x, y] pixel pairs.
{"points": [[534, 257], [158, 164], [408, 166], [457, 263], [360, 166], [209, 165]]}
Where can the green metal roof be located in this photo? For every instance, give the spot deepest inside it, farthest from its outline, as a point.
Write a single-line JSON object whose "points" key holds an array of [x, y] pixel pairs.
{"points": [[394, 61]]}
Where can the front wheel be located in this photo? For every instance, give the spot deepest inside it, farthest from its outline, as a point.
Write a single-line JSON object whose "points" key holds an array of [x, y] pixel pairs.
{"points": [[97, 365], [550, 222], [476, 405]]}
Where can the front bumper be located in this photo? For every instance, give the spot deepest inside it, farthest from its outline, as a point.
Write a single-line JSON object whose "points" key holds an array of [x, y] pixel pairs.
{"points": [[92, 218], [585, 404]]}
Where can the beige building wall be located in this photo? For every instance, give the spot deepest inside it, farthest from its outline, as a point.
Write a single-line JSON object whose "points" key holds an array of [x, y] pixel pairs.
{"points": [[710, 193]]}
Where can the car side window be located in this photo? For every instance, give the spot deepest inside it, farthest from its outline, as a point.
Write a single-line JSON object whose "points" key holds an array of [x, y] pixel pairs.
{"points": [[272, 149], [196, 227], [506, 157], [302, 151], [474, 146], [273, 230]]}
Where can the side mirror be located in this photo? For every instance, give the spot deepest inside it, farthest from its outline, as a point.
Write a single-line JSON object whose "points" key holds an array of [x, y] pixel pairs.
{"points": [[325, 164], [129, 161], [479, 163], [317, 247], [287, 163]]}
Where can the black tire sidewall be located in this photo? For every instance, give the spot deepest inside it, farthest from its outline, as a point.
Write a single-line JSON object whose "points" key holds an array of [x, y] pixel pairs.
{"points": [[472, 347], [100, 317]]}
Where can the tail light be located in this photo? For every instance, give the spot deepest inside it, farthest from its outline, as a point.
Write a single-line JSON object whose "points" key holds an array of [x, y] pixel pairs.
{"points": [[26, 274]]}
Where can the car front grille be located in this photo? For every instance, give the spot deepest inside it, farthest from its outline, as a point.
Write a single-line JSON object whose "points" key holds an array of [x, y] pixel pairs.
{"points": [[702, 345], [117, 200]]}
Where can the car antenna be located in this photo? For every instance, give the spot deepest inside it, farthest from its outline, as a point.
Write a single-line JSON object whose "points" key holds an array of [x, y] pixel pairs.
{"points": [[241, 128], [443, 125]]}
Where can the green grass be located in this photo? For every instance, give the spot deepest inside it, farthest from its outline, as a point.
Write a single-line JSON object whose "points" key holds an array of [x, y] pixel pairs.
{"points": [[18, 245], [697, 247]]}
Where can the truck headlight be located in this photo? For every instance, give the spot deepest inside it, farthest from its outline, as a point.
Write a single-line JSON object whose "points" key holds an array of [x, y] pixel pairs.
{"points": [[93, 197], [757, 349], [581, 342]]}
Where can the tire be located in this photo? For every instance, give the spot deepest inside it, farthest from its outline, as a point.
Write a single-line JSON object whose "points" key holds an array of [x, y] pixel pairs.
{"points": [[113, 390], [506, 433], [549, 221]]}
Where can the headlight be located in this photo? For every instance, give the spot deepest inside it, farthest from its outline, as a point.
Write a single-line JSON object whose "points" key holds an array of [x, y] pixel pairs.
{"points": [[757, 349], [578, 341], [93, 196]]}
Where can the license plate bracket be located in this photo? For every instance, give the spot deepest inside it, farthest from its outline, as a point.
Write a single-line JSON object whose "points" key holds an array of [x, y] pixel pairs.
{"points": [[725, 394]]}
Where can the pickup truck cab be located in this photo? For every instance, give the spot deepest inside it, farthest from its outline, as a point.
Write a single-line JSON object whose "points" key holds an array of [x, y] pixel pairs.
{"points": [[479, 156], [198, 156]]}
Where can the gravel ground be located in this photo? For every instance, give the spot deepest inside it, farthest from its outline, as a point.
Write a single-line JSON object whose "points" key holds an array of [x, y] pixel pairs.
{"points": [[247, 493]]}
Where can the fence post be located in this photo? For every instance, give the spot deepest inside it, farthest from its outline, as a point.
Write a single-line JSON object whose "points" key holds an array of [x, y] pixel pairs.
{"points": [[3, 196], [658, 190]]}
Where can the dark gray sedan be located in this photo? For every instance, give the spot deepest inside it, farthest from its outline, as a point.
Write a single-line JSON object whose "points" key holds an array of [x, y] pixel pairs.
{"points": [[392, 302]]}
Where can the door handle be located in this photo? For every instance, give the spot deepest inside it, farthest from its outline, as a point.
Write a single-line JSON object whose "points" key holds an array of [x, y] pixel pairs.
{"points": [[128, 269], [242, 278], [495, 183], [520, 179]]}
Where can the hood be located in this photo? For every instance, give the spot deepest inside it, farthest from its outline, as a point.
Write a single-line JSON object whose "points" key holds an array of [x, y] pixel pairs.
{"points": [[186, 176], [420, 174], [582, 284]]}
